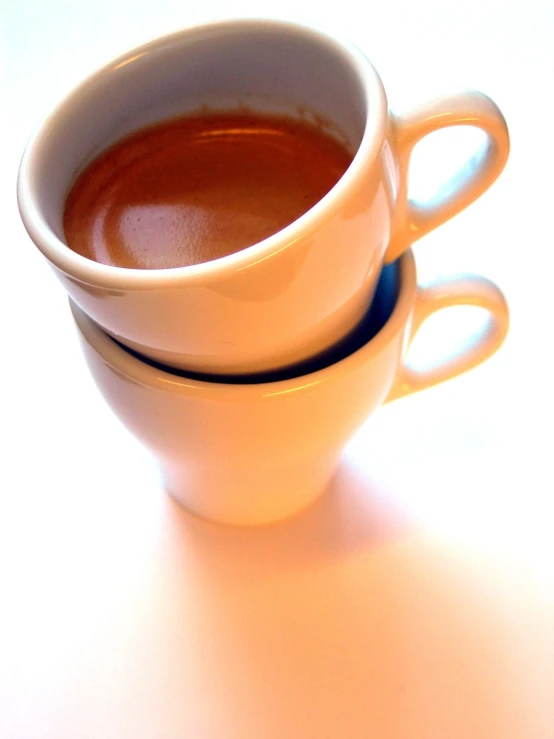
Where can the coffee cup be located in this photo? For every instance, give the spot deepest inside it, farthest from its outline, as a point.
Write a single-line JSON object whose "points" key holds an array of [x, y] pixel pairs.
{"points": [[297, 292], [258, 450]]}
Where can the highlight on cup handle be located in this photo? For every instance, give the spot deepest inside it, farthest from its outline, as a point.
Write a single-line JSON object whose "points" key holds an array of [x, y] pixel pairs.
{"points": [[411, 221], [468, 290]]}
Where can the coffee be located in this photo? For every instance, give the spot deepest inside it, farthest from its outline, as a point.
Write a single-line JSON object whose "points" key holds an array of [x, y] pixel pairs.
{"points": [[193, 189]]}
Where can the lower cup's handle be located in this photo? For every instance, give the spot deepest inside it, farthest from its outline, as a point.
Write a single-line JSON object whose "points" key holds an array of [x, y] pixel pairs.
{"points": [[411, 221], [470, 290]]}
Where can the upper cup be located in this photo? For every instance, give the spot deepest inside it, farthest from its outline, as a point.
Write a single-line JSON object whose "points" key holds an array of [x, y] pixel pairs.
{"points": [[297, 292]]}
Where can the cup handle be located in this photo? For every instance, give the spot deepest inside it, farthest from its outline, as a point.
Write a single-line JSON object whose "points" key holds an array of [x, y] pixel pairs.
{"points": [[470, 290], [411, 221]]}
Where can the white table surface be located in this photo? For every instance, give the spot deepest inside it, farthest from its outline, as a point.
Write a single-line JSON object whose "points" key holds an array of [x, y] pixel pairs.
{"points": [[416, 599]]}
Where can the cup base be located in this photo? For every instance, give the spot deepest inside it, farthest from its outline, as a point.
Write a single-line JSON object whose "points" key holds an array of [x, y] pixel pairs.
{"points": [[256, 497]]}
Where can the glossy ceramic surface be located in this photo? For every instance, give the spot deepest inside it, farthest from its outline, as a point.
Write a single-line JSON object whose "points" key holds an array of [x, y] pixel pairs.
{"points": [[299, 291], [256, 453]]}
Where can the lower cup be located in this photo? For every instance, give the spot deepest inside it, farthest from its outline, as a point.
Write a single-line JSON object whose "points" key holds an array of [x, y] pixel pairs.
{"points": [[258, 449]]}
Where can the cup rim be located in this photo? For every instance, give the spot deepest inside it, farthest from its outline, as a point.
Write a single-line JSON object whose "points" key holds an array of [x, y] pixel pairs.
{"points": [[131, 367], [92, 272]]}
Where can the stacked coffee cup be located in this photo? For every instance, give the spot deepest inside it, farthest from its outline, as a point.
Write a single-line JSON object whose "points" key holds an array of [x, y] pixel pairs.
{"points": [[247, 372]]}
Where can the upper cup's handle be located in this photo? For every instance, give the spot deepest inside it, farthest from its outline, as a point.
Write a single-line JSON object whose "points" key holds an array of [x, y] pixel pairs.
{"points": [[410, 221], [471, 290]]}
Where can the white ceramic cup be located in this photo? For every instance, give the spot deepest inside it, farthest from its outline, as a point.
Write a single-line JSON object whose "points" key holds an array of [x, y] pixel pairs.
{"points": [[256, 453], [293, 294], [299, 291]]}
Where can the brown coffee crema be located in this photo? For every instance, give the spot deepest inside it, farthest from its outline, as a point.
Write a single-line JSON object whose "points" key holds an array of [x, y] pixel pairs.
{"points": [[193, 189]]}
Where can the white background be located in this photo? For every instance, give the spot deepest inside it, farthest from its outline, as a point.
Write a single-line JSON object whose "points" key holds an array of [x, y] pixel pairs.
{"points": [[416, 599]]}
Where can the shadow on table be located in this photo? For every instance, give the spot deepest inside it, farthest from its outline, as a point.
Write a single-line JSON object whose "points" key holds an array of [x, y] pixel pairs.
{"points": [[346, 622], [353, 514]]}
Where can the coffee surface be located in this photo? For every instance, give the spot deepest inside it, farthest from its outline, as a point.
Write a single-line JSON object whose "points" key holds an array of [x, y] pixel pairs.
{"points": [[193, 189]]}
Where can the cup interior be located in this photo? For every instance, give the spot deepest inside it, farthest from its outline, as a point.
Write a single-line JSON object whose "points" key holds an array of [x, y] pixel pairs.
{"points": [[267, 66], [378, 314]]}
